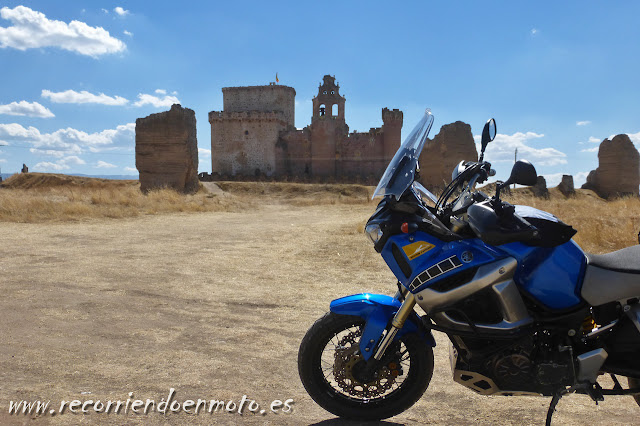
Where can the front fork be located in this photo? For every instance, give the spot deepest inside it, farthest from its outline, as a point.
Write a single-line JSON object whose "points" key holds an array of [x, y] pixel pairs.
{"points": [[398, 321]]}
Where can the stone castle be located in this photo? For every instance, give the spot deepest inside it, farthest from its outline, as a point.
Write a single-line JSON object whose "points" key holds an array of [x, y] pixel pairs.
{"points": [[255, 135]]}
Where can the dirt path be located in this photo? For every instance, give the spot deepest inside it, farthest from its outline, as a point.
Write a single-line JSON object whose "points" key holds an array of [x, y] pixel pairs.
{"points": [[213, 305]]}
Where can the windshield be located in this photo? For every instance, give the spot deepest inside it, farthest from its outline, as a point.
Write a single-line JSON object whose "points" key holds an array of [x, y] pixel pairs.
{"points": [[400, 172]]}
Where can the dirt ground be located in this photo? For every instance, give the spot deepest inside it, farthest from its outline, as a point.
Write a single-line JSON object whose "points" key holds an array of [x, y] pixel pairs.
{"points": [[213, 305]]}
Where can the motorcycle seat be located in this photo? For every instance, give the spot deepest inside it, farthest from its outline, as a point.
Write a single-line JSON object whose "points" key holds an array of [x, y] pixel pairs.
{"points": [[612, 277], [626, 260]]}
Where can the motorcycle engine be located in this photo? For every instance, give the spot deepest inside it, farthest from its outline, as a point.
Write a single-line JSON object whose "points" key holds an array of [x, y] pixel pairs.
{"points": [[513, 370], [530, 366]]}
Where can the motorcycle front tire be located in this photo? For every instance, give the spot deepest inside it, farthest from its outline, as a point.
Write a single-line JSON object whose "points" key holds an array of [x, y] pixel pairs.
{"points": [[330, 397]]}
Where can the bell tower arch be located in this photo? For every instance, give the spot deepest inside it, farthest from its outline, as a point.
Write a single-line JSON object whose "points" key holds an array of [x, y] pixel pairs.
{"points": [[328, 104]]}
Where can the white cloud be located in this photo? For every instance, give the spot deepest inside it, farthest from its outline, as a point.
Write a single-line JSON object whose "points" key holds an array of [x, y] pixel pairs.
{"points": [[580, 179], [32, 29], [594, 140], [156, 101], [104, 165], [583, 123], [69, 141], [83, 97], [504, 146], [127, 33], [130, 169], [534, 31], [553, 179], [32, 109], [62, 164], [120, 11], [160, 91], [206, 153], [594, 149], [106, 12], [635, 138]]}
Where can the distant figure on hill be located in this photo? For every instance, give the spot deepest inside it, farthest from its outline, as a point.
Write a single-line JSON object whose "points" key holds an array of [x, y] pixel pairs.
{"points": [[25, 169]]}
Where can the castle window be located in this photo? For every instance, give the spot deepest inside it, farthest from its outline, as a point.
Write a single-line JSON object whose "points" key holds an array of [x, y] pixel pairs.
{"points": [[322, 110], [333, 93], [324, 93], [334, 110], [246, 132]]}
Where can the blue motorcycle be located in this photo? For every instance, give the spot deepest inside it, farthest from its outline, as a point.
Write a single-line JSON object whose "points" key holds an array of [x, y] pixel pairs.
{"points": [[527, 312]]}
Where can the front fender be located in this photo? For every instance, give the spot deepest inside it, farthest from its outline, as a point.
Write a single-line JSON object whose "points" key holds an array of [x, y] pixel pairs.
{"points": [[377, 310]]}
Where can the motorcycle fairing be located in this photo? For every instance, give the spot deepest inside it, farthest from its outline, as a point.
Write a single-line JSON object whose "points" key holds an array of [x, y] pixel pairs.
{"points": [[432, 266], [551, 275], [377, 310]]}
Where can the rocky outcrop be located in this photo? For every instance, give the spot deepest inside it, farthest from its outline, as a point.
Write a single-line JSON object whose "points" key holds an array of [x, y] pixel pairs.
{"points": [[566, 185], [540, 188], [618, 171], [167, 150], [441, 154]]}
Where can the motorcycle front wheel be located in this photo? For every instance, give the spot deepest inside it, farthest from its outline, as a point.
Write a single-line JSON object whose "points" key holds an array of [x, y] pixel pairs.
{"points": [[332, 370]]}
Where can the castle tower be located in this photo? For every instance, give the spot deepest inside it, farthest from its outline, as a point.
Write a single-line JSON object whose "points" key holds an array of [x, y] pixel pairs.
{"points": [[392, 120], [328, 126], [244, 135]]}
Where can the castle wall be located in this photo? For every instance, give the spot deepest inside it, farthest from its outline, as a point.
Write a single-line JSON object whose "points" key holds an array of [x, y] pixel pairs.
{"points": [[293, 156], [261, 98], [392, 120], [362, 154], [244, 143]]}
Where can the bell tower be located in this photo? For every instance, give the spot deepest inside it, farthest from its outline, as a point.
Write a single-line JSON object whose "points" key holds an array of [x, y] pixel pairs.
{"points": [[328, 104], [328, 128]]}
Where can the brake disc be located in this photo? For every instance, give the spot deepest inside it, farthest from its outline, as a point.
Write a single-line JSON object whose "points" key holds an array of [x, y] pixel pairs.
{"points": [[347, 357]]}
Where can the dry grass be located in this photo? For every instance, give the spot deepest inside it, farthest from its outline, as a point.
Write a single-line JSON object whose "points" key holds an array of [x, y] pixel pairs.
{"points": [[300, 194], [602, 226], [40, 197]]}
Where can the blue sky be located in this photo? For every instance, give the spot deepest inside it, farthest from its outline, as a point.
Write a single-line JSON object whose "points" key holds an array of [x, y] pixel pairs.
{"points": [[559, 77]]}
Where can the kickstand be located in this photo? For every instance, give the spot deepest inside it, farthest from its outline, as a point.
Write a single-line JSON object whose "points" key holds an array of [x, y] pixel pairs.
{"points": [[617, 386], [552, 406]]}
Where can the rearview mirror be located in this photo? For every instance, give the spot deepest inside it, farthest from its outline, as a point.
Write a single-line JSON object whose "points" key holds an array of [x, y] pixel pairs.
{"points": [[488, 134], [523, 173]]}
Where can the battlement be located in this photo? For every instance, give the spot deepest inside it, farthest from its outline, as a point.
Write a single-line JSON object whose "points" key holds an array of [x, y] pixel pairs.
{"points": [[270, 87], [392, 115], [261, 98], [372, 131], [272, 116]]}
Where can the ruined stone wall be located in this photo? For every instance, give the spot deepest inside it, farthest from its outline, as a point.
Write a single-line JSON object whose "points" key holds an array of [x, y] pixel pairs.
{"points": [[167, 150], [618, 168], [362, 154], [244, 143], [441, 154], [261, 98]]}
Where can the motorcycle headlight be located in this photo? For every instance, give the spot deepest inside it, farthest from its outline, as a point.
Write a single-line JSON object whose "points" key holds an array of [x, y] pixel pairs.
{"points": [[374, 233]]}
